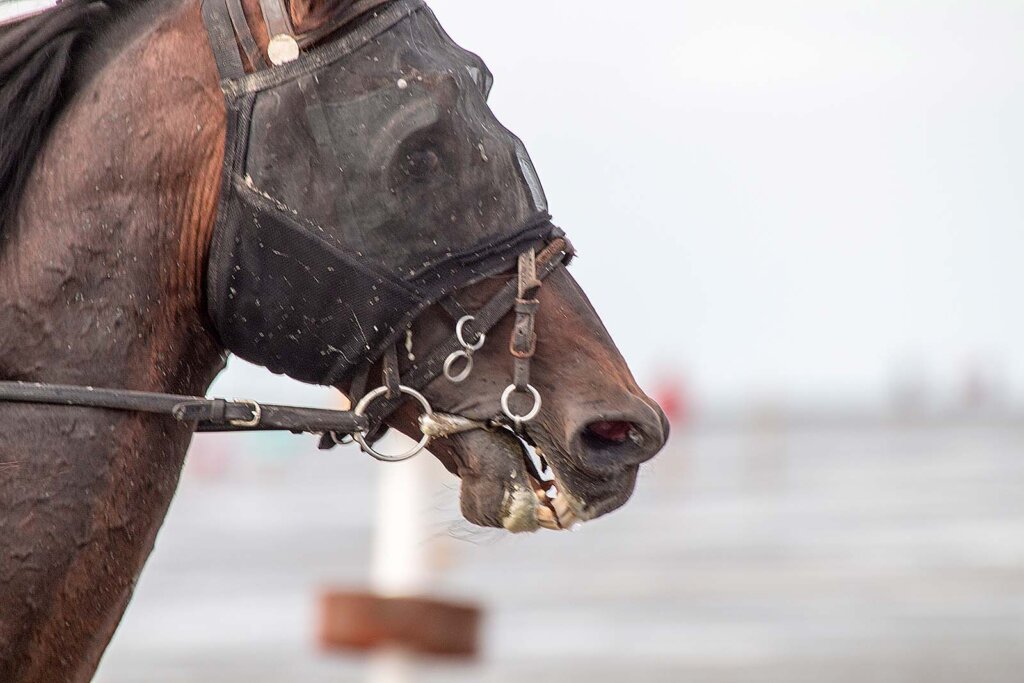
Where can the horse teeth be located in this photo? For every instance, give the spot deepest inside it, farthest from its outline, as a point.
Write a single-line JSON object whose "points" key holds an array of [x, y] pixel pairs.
{"points": [[566, 515], [546, 518], [547, 474], [552, 492]]}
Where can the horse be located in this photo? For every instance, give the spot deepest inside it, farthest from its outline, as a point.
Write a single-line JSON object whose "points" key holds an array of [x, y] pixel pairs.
{"points": [[113, 134]]}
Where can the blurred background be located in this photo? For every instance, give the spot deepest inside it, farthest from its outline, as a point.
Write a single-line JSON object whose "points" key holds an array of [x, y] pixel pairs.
{"points": [[817, 210]]}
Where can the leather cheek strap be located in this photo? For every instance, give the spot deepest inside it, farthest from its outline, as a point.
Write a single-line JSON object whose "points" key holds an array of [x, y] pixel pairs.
{"points": [[523, 344]]}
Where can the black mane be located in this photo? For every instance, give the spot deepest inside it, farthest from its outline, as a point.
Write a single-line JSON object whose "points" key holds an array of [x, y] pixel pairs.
{"points": [[38, 58]]}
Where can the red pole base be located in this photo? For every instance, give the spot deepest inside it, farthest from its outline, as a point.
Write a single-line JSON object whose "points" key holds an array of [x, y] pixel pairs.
{"points": [[363, 622]]}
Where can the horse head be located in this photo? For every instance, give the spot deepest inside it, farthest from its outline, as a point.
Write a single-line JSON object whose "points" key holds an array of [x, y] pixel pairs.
{"points": [[374, 200]]}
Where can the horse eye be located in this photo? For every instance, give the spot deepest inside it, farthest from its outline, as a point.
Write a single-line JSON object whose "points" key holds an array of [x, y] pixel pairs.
{"points": [[421, 162]]}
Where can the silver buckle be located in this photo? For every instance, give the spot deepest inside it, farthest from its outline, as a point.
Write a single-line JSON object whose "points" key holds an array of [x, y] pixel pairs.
{"points": [[257, 415]]}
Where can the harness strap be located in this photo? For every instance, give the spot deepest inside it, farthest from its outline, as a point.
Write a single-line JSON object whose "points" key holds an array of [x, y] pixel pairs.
{"points": [[453, 308], [359, 382], [244, 34], [528, 281], [222, 39], [523, 344], [391, 375], [210, 415], [275, 16], [329, 439]]}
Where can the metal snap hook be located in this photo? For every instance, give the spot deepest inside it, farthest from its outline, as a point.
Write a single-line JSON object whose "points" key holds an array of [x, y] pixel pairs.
{"points": [[520, 419], [460, 329], [365, 403], [449, 365]]}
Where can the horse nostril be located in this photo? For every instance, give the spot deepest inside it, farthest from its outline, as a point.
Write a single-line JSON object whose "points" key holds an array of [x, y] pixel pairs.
{"points": [[612, 437], [617, 432]]}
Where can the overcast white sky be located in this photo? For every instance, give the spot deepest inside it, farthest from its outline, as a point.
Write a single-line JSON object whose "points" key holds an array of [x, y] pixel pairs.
{"points": [[789, 198], [10, 9], [799, 199]]}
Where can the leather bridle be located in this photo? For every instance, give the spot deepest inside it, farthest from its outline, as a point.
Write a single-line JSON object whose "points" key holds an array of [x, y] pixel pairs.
{"points": [[519, 294]]}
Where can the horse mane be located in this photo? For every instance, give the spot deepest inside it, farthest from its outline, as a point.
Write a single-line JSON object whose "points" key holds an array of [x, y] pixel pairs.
{"points": [[38, 77]]}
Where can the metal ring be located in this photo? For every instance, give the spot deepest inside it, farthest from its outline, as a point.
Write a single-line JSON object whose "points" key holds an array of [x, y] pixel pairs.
{"points": [[257, 415], [460, 327], [360, 410], [450, 363], [519, 419]]}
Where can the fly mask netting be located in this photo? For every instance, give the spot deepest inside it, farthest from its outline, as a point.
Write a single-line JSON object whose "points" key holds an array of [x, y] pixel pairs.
{"points": [[363, 183]]}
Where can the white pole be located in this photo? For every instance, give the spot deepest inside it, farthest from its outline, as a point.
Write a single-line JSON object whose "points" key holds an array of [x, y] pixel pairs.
{"points": [[400, 563]]}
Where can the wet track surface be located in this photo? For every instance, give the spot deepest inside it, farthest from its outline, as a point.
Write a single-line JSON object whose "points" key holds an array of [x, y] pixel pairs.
{"points": [[846, 554]]}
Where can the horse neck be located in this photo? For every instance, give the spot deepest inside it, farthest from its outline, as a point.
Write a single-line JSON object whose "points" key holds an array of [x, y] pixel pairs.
{"points": [[100, 283]]}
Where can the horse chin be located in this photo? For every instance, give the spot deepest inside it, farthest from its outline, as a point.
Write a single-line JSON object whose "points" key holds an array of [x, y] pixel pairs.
{"points": [[516, 484]]}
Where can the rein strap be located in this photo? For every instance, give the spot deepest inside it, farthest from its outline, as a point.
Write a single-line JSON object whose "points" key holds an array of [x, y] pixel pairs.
{"points": [[208, 414]]}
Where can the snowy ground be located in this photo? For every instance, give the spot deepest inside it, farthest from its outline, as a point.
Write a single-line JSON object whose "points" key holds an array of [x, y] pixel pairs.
{"points": [[874, 554]]}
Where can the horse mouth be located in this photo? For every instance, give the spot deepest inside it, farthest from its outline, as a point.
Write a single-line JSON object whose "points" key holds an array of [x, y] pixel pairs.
{"points": [[514, 482], [556, 508]]}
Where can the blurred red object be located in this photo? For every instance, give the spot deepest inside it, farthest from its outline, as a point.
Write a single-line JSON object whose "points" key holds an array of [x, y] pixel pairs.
{"points": [[672, 395], [364, 621]]}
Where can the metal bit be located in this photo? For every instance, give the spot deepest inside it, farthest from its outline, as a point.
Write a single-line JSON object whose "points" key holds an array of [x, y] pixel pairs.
{"points": [[441, 425]]}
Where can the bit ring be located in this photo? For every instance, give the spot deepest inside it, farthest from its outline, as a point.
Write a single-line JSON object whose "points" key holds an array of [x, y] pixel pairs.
{"points": [[520, 419], [360, 437]]}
